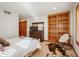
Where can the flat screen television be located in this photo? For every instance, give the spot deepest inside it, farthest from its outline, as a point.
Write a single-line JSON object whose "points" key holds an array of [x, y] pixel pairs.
{"points": [[33, 28]]}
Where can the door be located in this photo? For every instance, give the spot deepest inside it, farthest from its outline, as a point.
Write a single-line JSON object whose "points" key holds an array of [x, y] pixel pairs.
{"points": [[22, 28]]}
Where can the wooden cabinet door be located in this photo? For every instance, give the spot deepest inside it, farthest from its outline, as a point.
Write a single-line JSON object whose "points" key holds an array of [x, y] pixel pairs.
{"points": [[63, 24], [52, 28], [23, 28]]}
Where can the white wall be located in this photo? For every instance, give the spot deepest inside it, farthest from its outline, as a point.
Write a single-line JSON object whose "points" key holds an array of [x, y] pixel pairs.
{"points": [[73, 29], [8, 24], [29, 23], [45, 20]]}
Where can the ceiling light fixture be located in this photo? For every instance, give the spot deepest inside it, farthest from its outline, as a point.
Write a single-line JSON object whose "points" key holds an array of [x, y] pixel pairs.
{"points": [[54, 8]]}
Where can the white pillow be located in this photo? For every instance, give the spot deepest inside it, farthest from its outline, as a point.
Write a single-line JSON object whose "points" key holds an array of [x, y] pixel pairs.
{"points": [[64, 38]]}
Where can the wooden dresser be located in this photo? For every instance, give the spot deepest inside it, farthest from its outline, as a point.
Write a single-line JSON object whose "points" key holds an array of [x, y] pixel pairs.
{"points": [[37, 35]]}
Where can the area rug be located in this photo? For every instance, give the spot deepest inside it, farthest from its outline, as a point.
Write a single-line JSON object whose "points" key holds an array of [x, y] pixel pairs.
{"points": [[44, 51]]}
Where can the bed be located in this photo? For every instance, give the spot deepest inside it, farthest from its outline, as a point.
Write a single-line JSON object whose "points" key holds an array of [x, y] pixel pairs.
{"points": [[20, 47]]}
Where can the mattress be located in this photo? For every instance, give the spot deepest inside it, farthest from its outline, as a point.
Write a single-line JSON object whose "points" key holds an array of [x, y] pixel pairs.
{"points": [[20, 47]]}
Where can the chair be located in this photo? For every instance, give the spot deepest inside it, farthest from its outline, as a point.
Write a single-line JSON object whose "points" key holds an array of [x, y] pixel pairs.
{"points": [[64, 41], [62, 45]]}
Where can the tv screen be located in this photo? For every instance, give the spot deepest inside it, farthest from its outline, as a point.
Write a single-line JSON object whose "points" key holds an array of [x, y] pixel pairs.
{"points": [[32, 28]]}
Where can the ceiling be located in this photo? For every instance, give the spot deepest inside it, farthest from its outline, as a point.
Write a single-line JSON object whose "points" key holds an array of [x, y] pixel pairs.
{"points": [[36, 9]]}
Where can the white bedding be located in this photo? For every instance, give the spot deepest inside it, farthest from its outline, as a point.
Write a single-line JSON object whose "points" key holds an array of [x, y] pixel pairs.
{"points": [[20, 47], [23, 44]]}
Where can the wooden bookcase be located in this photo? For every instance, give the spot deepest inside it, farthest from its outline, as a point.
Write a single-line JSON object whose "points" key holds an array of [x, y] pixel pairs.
{"points": [[58, 25]]}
